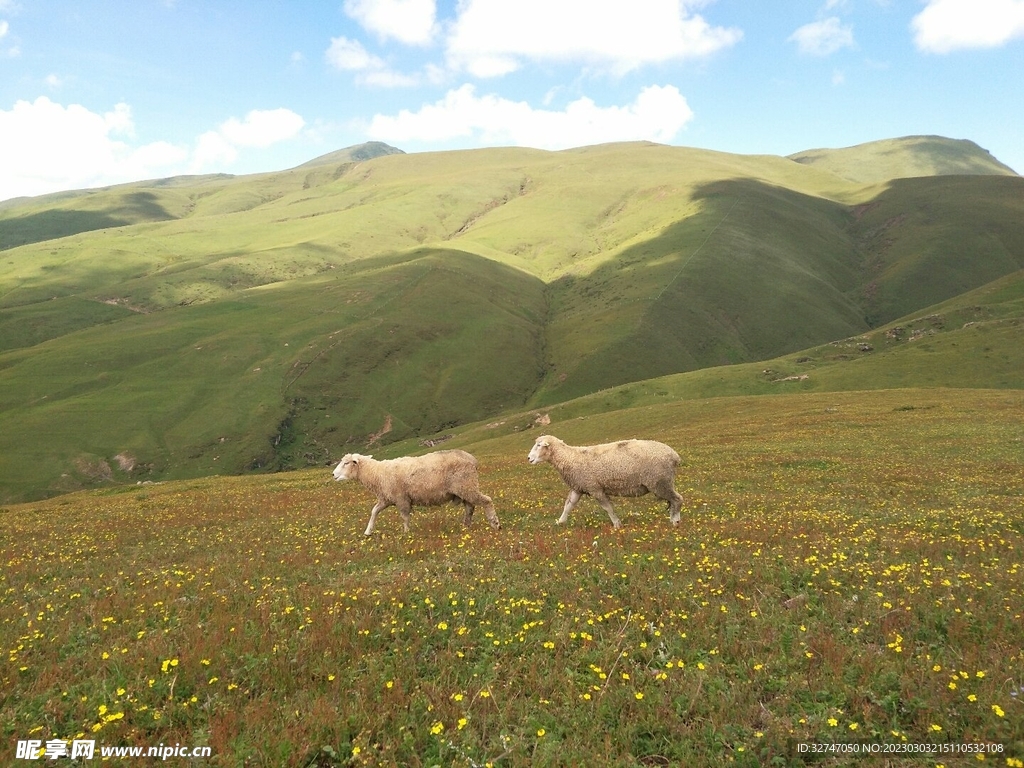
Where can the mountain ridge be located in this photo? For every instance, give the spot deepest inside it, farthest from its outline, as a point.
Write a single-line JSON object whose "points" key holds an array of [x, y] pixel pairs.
{"points": [[274, 320]]}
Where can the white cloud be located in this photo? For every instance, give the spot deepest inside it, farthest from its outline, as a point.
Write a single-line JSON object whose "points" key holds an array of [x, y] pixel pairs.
{"points": [[657, 114], [949, 25], [46, 147], [351, 55], [821, 38], [494, 37], [413, 22], [212, 150], [5, 27], [262, 127]]}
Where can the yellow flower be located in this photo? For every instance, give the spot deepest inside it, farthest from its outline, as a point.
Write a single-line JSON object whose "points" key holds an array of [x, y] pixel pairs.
{"points": [[998, 710], [540, 732], [934, 727], [854, 726], [639, 695], [437, 728], [462, 723]]}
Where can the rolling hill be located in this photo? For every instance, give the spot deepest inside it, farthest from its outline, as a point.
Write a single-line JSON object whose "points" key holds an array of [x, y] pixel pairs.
{"points": [[228, 324]]}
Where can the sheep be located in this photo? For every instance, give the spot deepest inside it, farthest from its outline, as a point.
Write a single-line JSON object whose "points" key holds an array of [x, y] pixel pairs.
{"points": [[432, 479], [625, 468]]}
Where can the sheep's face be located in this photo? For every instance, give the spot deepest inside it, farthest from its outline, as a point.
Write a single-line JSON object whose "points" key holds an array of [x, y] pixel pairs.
{"points": [[348, 468], [540, 450]]}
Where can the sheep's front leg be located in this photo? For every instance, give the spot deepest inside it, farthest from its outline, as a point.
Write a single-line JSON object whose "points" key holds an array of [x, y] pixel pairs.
{"points": [[468, 517], [373, 516], [405, 507], [606, 505], [570, 502]]}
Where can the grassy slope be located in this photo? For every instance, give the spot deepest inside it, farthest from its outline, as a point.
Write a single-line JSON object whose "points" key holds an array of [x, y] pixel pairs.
{"points": [[230, 385], [975, 341], [621, 263]]}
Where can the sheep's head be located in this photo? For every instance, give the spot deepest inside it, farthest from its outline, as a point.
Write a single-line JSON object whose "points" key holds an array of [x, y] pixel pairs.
{"points": [[348, 468], [541, 450]]}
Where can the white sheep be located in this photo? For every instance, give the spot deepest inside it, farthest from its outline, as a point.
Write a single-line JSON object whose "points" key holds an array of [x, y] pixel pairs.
{"points": [[429, 480], [625, 468]]}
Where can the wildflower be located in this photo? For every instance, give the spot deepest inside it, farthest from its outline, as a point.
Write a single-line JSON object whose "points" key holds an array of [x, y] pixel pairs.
{"points": [[833, 722], [639, 695], [934, 727], [540, 732], [854, 726], [462, 723], [971, 697], [437, 728], [998, 710]]}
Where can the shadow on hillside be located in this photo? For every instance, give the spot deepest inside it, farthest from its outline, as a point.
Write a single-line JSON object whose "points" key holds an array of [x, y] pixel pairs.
{"points": [[54, 224], [759, 271]]}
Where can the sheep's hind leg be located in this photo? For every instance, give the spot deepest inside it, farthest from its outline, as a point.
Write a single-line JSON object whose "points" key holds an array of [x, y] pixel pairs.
{"points": [[606, 505], [570, 502], [373, 516]]}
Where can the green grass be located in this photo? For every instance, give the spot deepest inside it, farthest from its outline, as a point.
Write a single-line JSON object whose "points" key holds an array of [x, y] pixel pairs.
{"points": [[848, 567]]}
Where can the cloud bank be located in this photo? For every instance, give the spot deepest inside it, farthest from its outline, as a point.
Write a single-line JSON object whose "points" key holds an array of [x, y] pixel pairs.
{"points": [[48, 147], [950, 25], [657, 114]]}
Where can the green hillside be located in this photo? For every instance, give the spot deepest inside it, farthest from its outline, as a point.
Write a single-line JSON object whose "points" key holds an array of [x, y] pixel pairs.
{"points": [[223, 325], [905, 158]]}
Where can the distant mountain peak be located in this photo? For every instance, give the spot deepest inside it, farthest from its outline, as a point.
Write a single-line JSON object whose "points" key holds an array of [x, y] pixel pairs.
{"points": [[358, 153], [905, 157]]}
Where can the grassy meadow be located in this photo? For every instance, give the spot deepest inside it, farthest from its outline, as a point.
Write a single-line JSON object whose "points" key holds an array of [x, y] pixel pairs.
{"points": [[848, 566]]}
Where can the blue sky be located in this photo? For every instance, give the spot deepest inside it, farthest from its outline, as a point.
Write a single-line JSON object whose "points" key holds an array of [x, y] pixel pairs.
{"points": [[97, 92]]}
